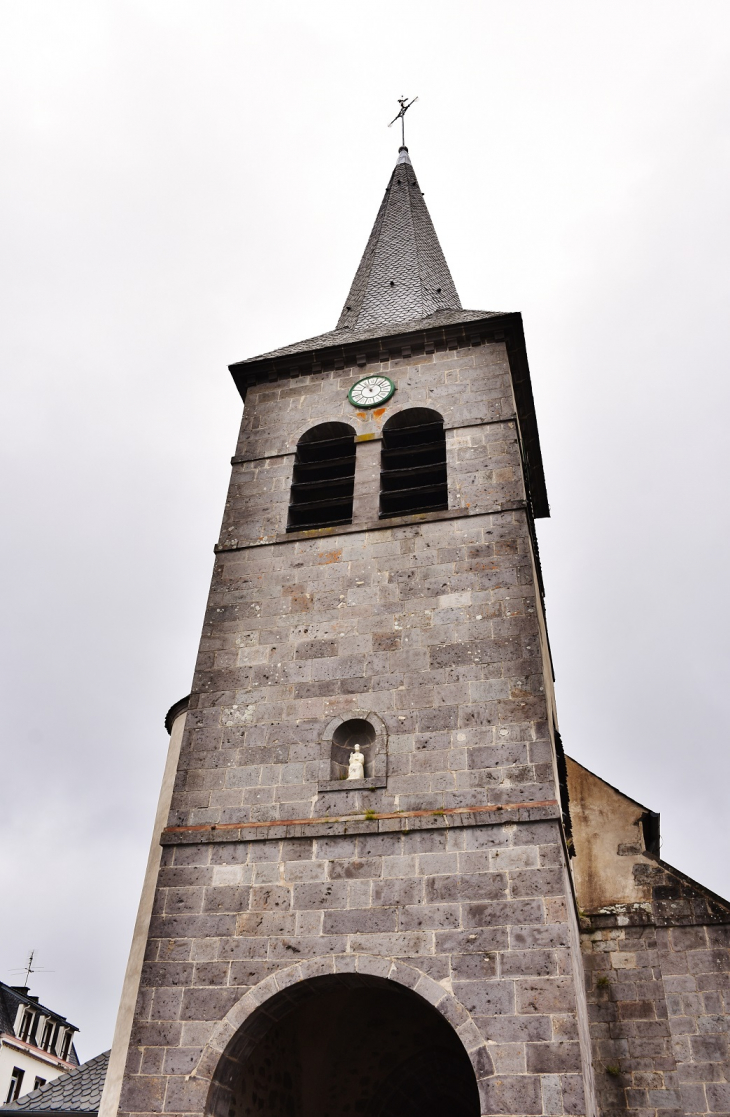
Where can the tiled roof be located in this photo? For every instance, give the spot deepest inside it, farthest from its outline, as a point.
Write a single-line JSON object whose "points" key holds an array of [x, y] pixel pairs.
{"points": [[8, 1009], [76, 1091], [12, 996], [403, 274], [403, 284]]}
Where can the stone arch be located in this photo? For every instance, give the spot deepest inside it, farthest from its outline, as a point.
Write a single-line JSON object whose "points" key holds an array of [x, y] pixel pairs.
{"points": [[243, 1026], [412, 415]]}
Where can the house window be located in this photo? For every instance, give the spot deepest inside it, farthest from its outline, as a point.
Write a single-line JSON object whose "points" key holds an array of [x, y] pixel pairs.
{"points": [[66, 1044], [413, 464], [324, 478], [16, 1083], [47, 1035], [26, 1026], [38, 1083]]}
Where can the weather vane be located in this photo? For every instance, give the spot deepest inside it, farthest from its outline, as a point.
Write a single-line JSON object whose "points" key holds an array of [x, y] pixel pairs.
{"points": [[405, 104]]}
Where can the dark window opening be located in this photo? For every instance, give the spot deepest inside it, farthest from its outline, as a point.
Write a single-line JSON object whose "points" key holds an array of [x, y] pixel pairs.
{"points": [[413, 464], [27, 1025], [47, 1035], [650, 831], [38, 1083], [16, 1084], [324, 478], [66, 1045]]}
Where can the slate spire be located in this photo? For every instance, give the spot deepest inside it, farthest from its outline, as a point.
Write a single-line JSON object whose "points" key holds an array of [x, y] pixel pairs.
{"points": [[403, 274]]}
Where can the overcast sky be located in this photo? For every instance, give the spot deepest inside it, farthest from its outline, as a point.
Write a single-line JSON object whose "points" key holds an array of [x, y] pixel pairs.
{"points": [[189, 183]]}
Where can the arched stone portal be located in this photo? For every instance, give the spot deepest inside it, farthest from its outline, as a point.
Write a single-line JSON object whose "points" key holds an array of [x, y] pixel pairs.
{"points": [[344, 1044]]}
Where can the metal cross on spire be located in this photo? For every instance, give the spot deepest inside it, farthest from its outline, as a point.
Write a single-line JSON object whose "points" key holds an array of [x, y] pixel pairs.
{"points": [[405, 104]]}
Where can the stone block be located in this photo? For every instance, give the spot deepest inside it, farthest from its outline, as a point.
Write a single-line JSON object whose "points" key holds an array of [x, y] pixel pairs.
{"points": [[709, 1048], [473, 967], [573, 1090], [536, 882], [326, 895], [348, 870], [504, 913], [185, 1094], [553, 1058], [143, 1094], [486, 998], [207, 1004], [274, 898], [545, 994], [181, 1060], [396, 891], [477, 886], [360, 921], [433, 917], [519, 963], [510, 1094]]}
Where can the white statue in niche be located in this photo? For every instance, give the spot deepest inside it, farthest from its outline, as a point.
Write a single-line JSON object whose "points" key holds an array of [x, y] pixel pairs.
{"points": [[356, 767]]}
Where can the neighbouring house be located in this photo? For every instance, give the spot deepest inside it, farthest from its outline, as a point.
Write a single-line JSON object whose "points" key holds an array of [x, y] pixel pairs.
{"points": [[36, 1044], [76, 1092]]}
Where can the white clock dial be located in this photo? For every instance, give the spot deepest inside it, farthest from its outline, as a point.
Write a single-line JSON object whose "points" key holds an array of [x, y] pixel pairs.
{"points": [[370, 391]]}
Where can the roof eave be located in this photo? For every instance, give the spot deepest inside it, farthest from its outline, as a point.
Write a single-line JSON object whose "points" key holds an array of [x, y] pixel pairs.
{"points": [[50, 1112]]}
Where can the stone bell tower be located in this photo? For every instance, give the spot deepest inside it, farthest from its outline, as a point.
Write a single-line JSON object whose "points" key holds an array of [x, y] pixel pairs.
{"points": [[394, 933]]}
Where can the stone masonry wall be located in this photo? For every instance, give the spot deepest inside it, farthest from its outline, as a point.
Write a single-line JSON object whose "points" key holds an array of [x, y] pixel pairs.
{"points": [[658, 978], [431, 626], [457, 864], [479, 909]]}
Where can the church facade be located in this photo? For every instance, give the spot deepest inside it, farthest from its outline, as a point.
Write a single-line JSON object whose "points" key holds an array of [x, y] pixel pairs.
{"points": [[381, 888]]}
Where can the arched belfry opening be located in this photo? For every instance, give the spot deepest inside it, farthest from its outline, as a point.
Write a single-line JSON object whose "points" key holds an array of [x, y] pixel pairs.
{"points": [[413, 463], [346, 1044], [324, 478]]}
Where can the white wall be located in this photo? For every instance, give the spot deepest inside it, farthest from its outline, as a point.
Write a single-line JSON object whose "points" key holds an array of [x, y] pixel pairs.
{"points": [[12, 1056]]}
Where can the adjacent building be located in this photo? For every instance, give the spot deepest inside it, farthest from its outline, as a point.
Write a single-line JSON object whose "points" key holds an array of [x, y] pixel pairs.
{"points": [[36, 1044], [76, 1093]]}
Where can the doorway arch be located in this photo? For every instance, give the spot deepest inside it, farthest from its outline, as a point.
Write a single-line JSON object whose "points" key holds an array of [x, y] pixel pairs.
{"points": [[344, 1044]]}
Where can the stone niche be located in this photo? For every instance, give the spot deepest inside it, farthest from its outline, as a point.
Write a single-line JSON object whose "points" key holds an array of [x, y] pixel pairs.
{"points": [[339, 739]]}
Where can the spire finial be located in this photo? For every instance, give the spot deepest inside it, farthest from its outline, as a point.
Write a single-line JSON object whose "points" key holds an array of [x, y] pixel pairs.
{"points": [[405, 104]]}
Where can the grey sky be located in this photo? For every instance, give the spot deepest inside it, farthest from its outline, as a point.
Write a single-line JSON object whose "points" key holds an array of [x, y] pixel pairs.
{"points": [[186, 184]]}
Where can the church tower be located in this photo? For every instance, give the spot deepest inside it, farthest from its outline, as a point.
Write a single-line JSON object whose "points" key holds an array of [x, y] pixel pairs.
{"points": [[362, 895]]}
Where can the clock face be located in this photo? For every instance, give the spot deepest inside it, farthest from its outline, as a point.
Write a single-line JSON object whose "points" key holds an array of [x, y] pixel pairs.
{"points": [[370, 391]]}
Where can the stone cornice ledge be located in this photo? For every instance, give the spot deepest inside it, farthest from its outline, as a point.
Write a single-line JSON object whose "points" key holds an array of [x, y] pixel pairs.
{"points": [[364, 823], [370, 525]]}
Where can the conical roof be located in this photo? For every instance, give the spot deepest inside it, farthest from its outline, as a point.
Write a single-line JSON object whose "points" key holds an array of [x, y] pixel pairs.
{"points": [[403, 274]]}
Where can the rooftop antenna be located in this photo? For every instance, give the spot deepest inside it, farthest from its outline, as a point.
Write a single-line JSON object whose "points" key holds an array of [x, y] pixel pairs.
{"points": [[29, 968], [405, 104]]}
